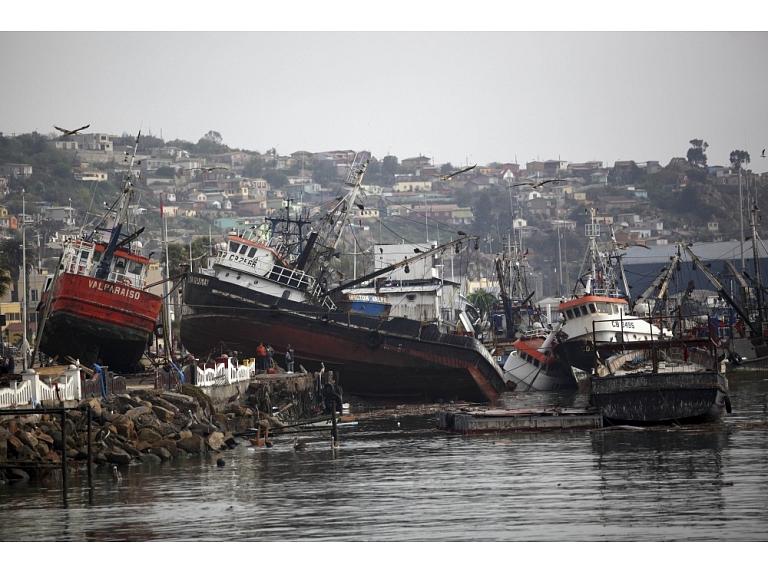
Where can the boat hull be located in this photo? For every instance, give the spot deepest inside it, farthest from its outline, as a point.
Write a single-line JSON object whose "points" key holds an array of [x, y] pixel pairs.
{"points": [[660, 398], [96, 321], [375, 357]]}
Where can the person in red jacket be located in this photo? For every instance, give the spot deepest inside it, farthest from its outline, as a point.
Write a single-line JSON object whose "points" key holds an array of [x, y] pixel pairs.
{"points": [[261, 357]]}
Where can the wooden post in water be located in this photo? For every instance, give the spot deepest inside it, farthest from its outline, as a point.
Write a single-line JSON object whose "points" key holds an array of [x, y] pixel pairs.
{"points": [[64, 454], [334, 427], [90, 450]]}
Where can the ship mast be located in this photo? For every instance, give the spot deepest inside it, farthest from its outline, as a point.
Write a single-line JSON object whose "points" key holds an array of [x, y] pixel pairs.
{"points": [[125, 199]]}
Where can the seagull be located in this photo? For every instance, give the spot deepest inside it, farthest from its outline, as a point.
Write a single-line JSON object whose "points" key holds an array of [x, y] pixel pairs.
{"points": [[116, 473], [71, 132], [447, 177], [537, 185], [207, 170]]}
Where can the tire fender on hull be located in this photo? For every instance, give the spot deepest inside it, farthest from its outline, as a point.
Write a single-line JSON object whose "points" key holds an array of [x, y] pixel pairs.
{"points": [[374, 340]]}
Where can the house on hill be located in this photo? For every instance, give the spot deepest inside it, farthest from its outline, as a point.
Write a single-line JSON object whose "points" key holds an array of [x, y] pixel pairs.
{"points": [[416, 162]]}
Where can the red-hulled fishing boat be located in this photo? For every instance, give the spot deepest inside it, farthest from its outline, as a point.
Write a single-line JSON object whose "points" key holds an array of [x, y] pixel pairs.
{"points": [[96, 308]]}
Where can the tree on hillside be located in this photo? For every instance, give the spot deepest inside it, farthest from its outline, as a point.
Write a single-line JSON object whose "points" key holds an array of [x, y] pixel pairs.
{"points": [[739, 157], [11, 260], [254, 167], [390, 166], [5, 279], [214, 136], [696, 153], [276, 179]]}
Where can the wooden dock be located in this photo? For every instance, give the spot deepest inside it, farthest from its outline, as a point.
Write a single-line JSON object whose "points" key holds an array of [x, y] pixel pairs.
{"points": [[516, 420]]}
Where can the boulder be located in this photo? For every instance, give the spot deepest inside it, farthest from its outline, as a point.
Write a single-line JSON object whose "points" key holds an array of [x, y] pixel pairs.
{"points": [[137, 411], [94, 404], [52, 457], [161, 453], [27, 438], [182, 402], [28, 454], [230, 440], [125, 427], [163, 414], [14, 445], [150, 420], [151, 458], [215, 440], [17, 475], [117, 456], [142, 445], [44, 437], [149, 435], [168, 445], [194, 444], [158, 401], [185, 433], [42, 448]]}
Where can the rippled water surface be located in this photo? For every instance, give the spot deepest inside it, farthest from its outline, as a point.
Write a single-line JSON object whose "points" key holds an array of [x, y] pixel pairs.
{"points": [[398, 479]]}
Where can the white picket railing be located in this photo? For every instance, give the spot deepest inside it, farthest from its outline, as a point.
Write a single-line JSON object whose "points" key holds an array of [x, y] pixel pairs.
{"points": [[225, 372], [33, 389]]}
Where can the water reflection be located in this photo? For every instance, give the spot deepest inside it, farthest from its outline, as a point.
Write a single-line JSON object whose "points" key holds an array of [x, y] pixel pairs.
{"points": [[398, 479]]}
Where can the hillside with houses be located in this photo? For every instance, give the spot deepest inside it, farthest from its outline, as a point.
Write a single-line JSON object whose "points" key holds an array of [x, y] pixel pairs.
{"points": [[206, 190]]}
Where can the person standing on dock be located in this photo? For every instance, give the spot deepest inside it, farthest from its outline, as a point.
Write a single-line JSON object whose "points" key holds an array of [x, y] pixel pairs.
{"points": [[289, 359], [261, 357], [270, 355]]}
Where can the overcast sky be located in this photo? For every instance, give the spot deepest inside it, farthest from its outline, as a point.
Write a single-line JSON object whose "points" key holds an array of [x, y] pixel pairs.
{"points": [[459, 97]]}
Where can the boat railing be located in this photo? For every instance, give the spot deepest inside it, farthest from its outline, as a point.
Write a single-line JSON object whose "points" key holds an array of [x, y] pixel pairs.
{"points": [[681, 349], [34, 388], [534, 332], [297, 279]]}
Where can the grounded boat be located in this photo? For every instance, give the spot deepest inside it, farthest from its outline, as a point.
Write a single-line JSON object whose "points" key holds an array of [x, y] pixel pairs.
{"points": [[532, 366], [95, 308], [599, 313], [264, 286], [670, 381]]}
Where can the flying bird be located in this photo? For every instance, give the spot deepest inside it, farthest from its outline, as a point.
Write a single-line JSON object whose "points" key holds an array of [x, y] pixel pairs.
{"points": [[71, 132], [207, 170], [447, 177], [537, 185]]}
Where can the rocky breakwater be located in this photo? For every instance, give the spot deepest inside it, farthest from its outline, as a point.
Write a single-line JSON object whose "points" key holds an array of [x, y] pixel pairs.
{"points": [[137, 427]]}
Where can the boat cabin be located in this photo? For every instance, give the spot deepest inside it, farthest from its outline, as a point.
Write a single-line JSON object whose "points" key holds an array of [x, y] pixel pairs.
{"points": [[593, 305]]}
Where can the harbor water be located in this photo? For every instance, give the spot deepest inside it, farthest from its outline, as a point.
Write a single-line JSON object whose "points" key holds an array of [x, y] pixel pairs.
{"points": [[396, 478]]}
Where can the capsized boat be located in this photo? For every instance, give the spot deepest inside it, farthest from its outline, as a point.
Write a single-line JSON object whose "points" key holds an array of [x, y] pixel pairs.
{"points": [[96, 308], [274, 285], [532, 366]]}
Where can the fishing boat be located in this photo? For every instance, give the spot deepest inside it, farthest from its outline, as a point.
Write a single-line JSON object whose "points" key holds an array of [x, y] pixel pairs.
{"points": [[676, 380], [277, 284], [96, 307], [532, 366], [599, 309]]}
